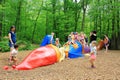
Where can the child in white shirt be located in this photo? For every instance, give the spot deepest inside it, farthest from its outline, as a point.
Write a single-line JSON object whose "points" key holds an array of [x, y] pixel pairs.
{"points": [[13, 55], [93, 53]]}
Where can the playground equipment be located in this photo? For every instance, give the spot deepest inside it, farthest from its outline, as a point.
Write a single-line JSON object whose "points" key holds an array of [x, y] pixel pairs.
{"points": [[40, 57], [47, 40], [75, 52]]}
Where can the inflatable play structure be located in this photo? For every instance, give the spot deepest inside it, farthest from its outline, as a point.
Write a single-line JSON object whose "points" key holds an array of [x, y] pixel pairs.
{"points": [[47, 40], [75, 52], [40, 57], [100, 45], [50, 54], [47, 55], [86, 49]]}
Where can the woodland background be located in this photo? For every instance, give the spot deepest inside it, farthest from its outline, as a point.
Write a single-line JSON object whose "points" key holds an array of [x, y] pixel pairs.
{"points": [[36, 18]]}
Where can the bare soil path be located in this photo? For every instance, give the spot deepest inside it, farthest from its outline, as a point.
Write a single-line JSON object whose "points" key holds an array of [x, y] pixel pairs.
{"points": [[107, 68]]}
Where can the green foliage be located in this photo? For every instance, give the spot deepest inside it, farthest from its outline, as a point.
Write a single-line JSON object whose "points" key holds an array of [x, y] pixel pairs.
{"points": [[23, 45], [36, 18], [26, 45], [4, 46]]}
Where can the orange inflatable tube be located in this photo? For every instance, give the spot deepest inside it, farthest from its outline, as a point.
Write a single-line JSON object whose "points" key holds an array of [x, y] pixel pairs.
{"points": [[100, 45]]}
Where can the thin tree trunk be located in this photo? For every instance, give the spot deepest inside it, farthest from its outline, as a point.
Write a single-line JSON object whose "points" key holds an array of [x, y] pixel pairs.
{"points": [[95, 23], [83, 18], [46, 31], [108, 26], [66, 18], [76, 17], [17, 22], [113, 44], [100, 23], [77, 13], [4, 28], [0, 29], [118, 25], [85, 3], [25, 27], [54, 16], [1, 19], [35, 24]]}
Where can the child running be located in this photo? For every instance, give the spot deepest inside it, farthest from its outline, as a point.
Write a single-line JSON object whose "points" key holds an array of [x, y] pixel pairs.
{"points": [[93, 53], [13, 55]]}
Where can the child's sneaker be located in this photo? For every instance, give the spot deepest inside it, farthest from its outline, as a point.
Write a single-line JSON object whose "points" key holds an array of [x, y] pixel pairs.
{"points": [[92, 66]]}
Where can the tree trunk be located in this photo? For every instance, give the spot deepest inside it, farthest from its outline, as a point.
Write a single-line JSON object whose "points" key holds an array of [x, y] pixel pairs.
{"points": [[66, 18], [100, 23], [1, 19], [54, 16], [46, 31], [35, 24], [76, 17], [95, 23], [0, 28], [83, 18], [118, 26], [85, 3], [114, 42], [17, 22]]}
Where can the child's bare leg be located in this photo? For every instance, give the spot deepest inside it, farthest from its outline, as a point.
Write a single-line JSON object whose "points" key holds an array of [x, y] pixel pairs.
{"points": [[92, 63], [10, 60], [15, 61], [106, 49]]}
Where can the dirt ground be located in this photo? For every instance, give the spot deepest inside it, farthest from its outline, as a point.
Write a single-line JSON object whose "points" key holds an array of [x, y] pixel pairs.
{"points": [[107, 68]]}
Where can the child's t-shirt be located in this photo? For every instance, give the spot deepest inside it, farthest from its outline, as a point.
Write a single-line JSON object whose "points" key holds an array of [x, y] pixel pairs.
{"points": [[93, 49], [14, 52]]}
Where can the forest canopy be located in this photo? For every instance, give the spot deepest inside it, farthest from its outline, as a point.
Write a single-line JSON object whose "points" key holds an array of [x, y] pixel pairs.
{"points": [[36, 18]]}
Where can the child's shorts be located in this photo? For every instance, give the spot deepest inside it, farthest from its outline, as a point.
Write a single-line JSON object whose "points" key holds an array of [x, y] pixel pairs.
{"points": [[11, 45], [92, 57], [107, 44], [13, 58]]}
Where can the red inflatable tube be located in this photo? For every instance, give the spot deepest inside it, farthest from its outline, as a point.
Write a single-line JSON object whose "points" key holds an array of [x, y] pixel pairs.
{"points": [[40, 57]]}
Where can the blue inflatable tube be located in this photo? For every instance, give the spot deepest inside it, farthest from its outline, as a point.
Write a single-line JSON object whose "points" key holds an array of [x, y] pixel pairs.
{"points": [[75, 53], [46, 40]]}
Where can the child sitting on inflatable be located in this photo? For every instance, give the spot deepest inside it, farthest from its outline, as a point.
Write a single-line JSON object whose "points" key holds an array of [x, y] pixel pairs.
{"points": [[66, 49], [81, 39], [93, 53], [13, 55], [57, 43], [71, 40]]}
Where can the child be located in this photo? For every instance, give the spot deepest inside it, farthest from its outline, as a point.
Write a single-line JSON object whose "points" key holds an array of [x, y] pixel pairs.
{"points": [[69, 39], [106, 42], [13, 55], [76, 35], [57, 43], [52, 38], [93, 53], [72, 39], [66, 49], [82, 41]]}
